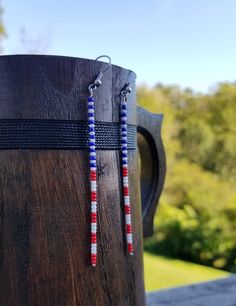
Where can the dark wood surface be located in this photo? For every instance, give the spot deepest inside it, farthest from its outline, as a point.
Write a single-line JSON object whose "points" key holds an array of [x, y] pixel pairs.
{"points": [[153, 165], [215, 293], [44, 194], [45, 220]]}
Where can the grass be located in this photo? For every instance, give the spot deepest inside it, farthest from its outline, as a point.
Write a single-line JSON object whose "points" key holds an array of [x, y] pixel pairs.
{"points": [[162, 272]]}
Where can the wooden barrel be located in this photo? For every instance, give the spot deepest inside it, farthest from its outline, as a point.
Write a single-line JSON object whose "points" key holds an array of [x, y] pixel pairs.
{"points": [[44, 199]]}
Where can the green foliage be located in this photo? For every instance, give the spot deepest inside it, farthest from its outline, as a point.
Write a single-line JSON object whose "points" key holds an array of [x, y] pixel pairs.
{"points": [[208, 130], [2, 28], [184, 233], [197, 215]]}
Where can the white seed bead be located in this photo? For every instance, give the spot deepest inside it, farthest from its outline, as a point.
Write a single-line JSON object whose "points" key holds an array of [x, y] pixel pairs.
{"points": [[125, 181], [128, 219], [129, 238], [93, 207], [126, 198], [93, 248], [93, 228], [93, 185]]}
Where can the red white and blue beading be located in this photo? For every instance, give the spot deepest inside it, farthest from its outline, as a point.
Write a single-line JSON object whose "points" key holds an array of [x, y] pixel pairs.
{"points": [[125, 175], [93, 180]]}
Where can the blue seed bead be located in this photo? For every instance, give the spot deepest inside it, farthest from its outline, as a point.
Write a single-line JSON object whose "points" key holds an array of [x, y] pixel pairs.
{"points": [[123, 121], [91, 143], [92, 137], [124, 147], [92, 150], [92, 157], [123, 114], [123, 141], [123, 129], [124, 162], [93, 164], [91, 121], [90, 99], [123, 106], [124, 155], [90, 106], [91, 114], [91, 129]]}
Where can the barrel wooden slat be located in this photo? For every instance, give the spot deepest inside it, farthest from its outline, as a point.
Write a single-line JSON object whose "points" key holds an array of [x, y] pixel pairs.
{"points": [[44, 204]]}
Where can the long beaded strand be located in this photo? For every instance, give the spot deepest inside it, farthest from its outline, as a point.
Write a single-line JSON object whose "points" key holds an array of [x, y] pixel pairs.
{"points": [[93, 162], [125, 173], [93, 180]]}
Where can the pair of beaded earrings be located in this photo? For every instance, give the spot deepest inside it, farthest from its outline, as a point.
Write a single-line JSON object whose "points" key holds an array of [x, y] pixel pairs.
{"points": [[93, 165]]}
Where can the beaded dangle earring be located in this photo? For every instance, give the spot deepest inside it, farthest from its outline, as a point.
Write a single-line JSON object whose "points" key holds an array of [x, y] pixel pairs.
{"points": [[92, 160], [125, 173]]}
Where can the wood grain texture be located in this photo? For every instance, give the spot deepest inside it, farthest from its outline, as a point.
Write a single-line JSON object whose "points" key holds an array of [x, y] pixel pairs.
{"points": [[153, 165], [44, 194]]}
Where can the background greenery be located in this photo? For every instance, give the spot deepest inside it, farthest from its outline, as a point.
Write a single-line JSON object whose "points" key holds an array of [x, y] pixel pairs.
{"points": [[163, 272], [196, 220]]}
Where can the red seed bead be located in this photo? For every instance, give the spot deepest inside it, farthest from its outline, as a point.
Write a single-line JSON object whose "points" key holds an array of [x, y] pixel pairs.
{"points": [[125, 172], [128, 229], [93, 259], [126, 191], [93, 196], [93, 217], [93, 175], [130, 247], [93, 238], [127, 209]]}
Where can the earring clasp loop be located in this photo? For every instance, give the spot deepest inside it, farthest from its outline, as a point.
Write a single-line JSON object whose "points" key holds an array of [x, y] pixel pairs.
{"points": [[127, 89], [98, 81]]}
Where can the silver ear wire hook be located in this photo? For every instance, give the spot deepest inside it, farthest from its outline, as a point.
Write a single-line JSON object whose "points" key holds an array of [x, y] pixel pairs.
{"points": [[98, 79], [127, 89], [109, 63]]}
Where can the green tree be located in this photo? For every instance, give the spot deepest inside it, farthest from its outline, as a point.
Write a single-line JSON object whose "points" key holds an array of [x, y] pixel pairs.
{"points": [[2, 28], [197, 216]]}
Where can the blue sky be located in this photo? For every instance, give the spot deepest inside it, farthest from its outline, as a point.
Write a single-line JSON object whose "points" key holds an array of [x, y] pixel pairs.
{"points": [[185, 42]]}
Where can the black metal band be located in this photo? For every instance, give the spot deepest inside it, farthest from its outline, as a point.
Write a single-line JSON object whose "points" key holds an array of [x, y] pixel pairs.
{"points": [[61, 134]]}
